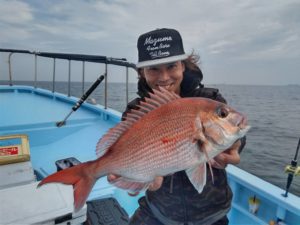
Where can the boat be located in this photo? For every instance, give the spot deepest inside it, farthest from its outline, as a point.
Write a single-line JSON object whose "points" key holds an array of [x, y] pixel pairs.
{"points": [[42, 131]]}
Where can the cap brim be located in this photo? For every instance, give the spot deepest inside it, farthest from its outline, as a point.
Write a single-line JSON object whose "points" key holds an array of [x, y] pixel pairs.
{"points": [[156, 62]]}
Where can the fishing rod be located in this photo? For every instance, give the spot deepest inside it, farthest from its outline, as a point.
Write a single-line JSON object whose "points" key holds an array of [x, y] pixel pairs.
{"points": [[292, 170], [81, 100]]}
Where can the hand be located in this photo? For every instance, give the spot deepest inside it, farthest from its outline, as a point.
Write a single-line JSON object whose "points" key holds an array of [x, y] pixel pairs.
{"points": [[156, 184], [112, 177], [229, 156]]}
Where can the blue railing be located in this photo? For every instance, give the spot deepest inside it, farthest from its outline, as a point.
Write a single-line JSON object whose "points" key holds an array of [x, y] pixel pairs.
{"points": [[273, 205], [71, 57]]}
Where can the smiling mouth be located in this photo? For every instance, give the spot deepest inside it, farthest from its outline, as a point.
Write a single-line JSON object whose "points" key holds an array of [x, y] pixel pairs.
{"points": [[166, 86]]}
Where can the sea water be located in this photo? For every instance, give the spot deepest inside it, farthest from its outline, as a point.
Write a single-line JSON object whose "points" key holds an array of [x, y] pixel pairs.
{"points": [[273, 113]]}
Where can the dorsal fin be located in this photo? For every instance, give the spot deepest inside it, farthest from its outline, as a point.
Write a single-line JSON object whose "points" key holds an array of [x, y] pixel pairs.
{"points": [[156, 100]]}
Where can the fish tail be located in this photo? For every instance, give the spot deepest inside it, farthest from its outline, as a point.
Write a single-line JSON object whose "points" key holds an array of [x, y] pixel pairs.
{"points": [[80, 177]]}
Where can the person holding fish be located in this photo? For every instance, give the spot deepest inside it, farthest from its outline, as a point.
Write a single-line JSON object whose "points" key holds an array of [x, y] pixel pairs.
{"points": [[174, 142], [173, 199]]}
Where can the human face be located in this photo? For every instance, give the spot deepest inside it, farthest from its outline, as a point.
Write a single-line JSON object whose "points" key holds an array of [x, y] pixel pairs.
{"points": [[168, 76]]}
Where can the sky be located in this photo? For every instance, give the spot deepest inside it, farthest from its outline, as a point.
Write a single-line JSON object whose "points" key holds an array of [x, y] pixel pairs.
{"points": [[239, 42]]}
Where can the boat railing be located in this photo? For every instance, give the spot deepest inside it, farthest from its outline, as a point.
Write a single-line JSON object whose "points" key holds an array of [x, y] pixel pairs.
{"points": [[72, 57]]}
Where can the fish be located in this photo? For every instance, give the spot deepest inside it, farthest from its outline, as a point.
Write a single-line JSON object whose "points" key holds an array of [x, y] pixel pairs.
{"points": [[164, 135]]}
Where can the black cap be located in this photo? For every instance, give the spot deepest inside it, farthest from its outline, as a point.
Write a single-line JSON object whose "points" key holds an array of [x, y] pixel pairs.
{"points": [[160, 46]]}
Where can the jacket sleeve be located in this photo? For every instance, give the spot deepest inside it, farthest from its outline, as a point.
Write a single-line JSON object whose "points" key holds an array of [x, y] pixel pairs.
{"points": [[211, 93], [243, 143]]}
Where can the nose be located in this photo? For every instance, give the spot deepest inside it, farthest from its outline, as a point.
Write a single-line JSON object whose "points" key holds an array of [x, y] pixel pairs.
{"points": [[163, 75]]}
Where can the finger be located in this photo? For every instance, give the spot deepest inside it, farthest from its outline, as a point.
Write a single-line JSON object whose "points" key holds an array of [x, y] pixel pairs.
{"points": [[112, 177], [220, 158], [133, 194], [156, 184], [232, 157], [235, 146]]}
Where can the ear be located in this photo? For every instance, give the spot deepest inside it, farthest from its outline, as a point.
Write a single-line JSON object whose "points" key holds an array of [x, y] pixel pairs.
{"points": [[141, 72]]}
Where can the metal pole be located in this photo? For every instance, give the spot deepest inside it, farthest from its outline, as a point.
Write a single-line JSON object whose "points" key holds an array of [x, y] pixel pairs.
{"points": [[105, 89], [69, 80], [53, 84], [127, 88], [83, 71], [9, 69], [35, 70], [297, 150]]}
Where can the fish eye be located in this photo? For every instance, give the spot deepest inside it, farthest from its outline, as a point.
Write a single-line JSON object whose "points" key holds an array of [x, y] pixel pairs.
{"points": [[222, 112]]}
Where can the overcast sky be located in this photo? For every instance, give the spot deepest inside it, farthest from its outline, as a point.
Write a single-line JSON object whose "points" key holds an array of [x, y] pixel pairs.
{"points": [[239, 42]]}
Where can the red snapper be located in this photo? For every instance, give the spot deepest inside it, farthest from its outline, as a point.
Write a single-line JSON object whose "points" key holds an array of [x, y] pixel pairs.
{"points": [[165, 135]]}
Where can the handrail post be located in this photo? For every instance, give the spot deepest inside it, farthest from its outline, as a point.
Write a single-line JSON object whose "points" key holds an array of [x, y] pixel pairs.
{"points": [[53, 84], [35, 70], [9, 69], [127, 88], [69, 79], [105, 89], [83, 75]]}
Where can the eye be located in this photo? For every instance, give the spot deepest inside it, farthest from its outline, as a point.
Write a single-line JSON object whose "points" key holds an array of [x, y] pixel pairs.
{"points": [[153, 69], [222, 112], [172, 66]]}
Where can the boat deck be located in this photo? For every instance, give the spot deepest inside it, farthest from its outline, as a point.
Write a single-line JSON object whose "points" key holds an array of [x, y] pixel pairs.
{"points": [[35, 113]]}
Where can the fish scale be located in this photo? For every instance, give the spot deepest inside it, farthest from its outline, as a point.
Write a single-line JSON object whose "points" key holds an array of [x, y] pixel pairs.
{"points": [[157, 152]]}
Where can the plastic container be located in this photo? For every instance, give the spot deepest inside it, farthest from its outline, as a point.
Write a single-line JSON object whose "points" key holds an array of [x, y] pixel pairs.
{"points": [[14, 149]]}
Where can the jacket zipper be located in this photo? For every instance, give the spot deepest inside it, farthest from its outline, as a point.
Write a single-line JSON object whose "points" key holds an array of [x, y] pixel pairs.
{"points": [[183, 199]]}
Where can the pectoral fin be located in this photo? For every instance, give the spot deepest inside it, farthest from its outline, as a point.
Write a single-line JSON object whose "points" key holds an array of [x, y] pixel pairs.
{"points": [[198, 135], [197, 176]]}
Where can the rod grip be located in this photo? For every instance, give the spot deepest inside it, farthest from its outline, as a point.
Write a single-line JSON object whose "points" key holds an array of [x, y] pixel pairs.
{"points": [[88, 92]]}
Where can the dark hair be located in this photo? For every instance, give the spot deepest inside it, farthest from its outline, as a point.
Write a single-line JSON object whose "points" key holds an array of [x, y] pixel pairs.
{"points": [[192, 62]]}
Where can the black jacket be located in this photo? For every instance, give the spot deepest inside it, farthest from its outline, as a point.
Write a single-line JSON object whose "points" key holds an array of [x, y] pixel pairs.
{"points": [[177, 200]]}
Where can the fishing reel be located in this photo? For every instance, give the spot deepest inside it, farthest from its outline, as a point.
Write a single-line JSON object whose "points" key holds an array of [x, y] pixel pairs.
{"points": [[294, 170]]}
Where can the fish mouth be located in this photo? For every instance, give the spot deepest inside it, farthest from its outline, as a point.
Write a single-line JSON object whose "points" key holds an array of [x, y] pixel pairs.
{"points": [[245, 129], [243, 125]]}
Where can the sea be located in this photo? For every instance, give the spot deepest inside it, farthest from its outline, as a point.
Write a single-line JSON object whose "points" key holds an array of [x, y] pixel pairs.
{"points": [[273, 113]]}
